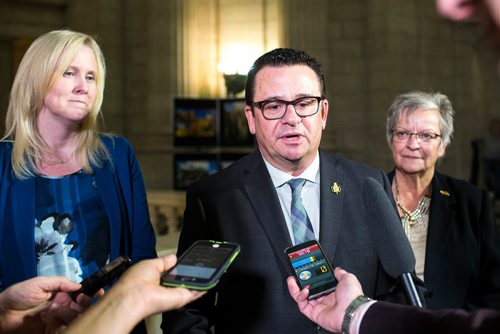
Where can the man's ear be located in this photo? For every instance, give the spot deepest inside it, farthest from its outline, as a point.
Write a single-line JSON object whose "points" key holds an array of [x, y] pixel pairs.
{"points": [[250, 119]]}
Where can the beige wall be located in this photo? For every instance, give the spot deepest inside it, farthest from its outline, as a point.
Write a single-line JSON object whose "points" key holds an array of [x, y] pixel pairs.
{"points": [[370, 51]]}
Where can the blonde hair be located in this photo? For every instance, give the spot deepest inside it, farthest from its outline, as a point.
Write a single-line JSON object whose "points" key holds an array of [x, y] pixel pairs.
{"points": [[45, 61]]}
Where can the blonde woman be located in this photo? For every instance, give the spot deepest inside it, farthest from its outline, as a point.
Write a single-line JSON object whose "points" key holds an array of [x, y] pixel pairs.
{"points": [[72, 199]]}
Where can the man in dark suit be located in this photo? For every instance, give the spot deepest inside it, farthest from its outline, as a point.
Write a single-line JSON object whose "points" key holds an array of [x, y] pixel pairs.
{"points": [[249, 203]]}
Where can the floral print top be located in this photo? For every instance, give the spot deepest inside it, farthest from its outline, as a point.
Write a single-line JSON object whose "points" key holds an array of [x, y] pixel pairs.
{"points": [[71, 227]]}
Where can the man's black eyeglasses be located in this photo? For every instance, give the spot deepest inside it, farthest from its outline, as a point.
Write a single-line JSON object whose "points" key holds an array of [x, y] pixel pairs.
{"points": [[275, 109]]}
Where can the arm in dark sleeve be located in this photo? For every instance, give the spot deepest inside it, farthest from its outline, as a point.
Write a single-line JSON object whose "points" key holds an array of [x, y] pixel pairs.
{"points": [[383, 317]]}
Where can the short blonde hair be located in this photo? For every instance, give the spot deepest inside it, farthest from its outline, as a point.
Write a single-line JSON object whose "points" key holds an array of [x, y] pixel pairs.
{"points": [[45, 61]]}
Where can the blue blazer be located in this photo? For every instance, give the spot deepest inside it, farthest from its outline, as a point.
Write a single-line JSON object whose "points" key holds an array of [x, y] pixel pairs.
{"points": [[462, 258], [122, 191], [240, 204]]}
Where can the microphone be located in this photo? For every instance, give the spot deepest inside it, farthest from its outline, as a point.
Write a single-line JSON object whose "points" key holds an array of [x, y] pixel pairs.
{"points": [[393, 247]]}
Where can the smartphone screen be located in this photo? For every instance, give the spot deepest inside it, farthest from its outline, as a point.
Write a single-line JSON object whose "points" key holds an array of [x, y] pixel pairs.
{"points": [[311, 268], [202, 265]]}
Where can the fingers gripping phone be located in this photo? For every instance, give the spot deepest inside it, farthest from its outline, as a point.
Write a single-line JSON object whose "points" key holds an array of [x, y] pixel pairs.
{"points": [[201, 266], [311, 268], [104, 276]]}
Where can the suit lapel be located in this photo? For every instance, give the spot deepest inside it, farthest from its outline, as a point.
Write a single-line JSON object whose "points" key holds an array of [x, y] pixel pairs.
{"points": [[331, 199], [261, 193], [441, 217]]}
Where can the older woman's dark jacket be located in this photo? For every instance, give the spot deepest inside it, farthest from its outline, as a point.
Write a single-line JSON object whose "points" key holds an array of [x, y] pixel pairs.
{"points": [[462, 261]]}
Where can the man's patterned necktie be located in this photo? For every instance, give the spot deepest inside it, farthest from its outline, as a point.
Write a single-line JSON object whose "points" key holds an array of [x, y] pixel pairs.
{"points": [[301, 225]]}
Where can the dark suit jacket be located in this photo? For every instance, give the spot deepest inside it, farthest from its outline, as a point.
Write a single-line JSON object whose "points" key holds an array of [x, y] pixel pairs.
{"points": [[240, 204], [391, 318], [462, 261]]}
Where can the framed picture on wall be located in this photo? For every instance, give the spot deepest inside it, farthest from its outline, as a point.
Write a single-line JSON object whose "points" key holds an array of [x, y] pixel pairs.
{"points": [[193, 167], [234, 128], [195, 122]]}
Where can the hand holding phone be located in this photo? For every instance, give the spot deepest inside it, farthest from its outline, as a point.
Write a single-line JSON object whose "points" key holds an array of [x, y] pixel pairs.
{"points": [[311, 268], [104, 276], [201, 266]]}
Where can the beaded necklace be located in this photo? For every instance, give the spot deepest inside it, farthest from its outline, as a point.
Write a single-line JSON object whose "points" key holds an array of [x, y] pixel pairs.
{"points": [[410, 218]]}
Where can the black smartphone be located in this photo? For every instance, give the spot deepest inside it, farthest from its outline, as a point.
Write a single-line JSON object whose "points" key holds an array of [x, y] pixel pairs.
{"points": [[201, 266], [311, 268], [104, 276]]}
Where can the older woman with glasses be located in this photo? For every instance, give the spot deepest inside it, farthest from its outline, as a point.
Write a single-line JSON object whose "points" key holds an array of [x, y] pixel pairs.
{"points": [[448, 221]]}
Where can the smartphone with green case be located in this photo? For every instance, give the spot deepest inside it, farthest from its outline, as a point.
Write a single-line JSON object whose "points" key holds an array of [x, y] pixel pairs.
{"points": [[202, 265]]}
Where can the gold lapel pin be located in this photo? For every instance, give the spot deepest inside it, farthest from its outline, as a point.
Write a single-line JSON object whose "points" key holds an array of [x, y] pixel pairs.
{"points": [[335, 188], [444, 193]]}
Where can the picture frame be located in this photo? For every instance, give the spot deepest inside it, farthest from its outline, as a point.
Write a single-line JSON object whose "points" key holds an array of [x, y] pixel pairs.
{"points": [[234, 128], [189, 168], [195, 122]]}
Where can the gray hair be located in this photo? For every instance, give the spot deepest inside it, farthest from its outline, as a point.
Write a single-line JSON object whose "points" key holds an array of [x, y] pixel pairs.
{"points": [[411, 101]]}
